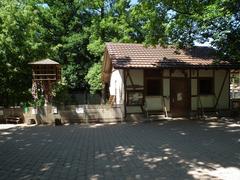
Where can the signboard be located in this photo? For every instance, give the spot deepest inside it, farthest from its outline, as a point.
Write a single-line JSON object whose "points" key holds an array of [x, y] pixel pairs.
{"points": [[34, 111], [79, 110], [54, 110], [134, 97]]}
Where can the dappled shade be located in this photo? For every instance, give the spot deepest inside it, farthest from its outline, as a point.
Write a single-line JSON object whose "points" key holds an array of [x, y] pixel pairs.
{"points": [[166, 149]]}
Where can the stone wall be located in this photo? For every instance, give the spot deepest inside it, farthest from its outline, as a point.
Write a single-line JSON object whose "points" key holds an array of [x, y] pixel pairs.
{"points": [[67, 114]]}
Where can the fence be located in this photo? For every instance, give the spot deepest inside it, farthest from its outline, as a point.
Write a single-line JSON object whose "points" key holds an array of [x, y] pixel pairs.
{"points": [[81, 98], [73, 98]]}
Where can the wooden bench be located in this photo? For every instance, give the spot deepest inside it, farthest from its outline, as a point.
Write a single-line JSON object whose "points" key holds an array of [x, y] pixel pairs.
{"points": [[154, 106], [15, 119]]}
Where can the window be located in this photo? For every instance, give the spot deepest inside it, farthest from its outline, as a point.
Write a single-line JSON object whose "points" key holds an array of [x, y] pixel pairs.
{"points": [[154, 87], [153, 83], [205, 86], [135, 97]]}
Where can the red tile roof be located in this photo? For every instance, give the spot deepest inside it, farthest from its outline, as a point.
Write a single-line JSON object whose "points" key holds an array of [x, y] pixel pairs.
{"points": [[124, 55]]}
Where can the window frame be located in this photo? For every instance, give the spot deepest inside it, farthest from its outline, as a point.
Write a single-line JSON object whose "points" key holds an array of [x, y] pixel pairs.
{"points": [[153, 75]]}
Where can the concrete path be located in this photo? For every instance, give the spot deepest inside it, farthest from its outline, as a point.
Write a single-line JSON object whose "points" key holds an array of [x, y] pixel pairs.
{"points": [[158, 150]]}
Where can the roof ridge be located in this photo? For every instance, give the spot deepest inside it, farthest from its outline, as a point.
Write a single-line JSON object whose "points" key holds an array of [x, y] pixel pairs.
{"points": [[42, 61]]}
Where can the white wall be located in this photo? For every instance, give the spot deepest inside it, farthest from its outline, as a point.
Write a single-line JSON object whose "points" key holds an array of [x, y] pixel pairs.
{"points": [[117, 85], [207, 101], [224, 98], [137, 76]]}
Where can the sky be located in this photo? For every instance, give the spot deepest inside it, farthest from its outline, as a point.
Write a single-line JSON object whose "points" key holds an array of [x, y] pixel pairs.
{"points": [[134, 1], [202, 44]]}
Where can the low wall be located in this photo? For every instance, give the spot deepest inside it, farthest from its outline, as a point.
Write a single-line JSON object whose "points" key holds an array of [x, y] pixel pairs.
{"points": [[90, 113], [67, 114]]}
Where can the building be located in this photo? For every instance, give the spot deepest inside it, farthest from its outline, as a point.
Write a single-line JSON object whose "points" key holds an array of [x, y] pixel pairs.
{"points": [[171, 81]]}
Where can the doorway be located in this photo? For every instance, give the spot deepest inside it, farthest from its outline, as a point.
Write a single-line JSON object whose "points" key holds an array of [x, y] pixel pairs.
{"points": [[179, 97]]}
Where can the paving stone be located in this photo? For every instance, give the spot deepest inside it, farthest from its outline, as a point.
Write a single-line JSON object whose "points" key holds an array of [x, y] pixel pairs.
{"points": [[158, 150]]}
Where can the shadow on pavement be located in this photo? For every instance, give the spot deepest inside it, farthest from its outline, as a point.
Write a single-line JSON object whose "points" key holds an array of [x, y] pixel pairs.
{"points": [[158, 150]]}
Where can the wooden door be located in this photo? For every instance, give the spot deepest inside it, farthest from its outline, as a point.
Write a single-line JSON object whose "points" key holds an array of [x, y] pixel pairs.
{"points": [[179, 97]]}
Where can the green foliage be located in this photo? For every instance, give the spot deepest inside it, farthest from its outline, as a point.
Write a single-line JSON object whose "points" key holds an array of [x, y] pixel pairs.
{"points": [[74, 32], [149, 18], [111, 21], [184, 22], [60, 93], [63, 23], [38, 102], [93, 77], [20, 43], [222, 24]]}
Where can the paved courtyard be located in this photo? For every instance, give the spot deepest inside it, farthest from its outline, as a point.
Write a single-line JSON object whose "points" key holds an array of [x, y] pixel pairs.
{"points": [[158, 150]]}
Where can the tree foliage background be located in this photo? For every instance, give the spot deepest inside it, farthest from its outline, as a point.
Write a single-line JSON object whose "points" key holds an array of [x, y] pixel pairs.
{"points": [[73, 32]]}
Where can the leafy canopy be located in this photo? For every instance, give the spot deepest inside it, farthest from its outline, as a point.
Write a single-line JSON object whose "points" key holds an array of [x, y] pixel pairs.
{"points": [[74, 32]]}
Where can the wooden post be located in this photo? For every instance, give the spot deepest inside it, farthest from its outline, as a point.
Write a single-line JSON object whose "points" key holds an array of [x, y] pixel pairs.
{"points": [[125, 93]]}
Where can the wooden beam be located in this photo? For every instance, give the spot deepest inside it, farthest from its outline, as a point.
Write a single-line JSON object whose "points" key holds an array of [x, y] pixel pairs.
{"points": [[125, 93], [170, 97], [198, 97], [190, 89], [130, 78]]}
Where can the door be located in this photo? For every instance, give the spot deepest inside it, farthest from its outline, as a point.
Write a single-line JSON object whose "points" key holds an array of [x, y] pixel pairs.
{"points": [[179, 97]]}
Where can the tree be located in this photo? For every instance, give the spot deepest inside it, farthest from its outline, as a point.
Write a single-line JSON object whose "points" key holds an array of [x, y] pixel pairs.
{"points": [[93, 77], [20, 43], [64, 23], [74, 32], [111, 21], [222, 25], [150, 26], [183, 22]]}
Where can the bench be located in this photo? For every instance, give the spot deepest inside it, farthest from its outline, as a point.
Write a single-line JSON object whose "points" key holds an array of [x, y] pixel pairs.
{"points": [[155, 106], [15, 119]]}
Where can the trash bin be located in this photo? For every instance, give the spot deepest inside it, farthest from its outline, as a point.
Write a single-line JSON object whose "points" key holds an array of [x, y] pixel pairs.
{"points": [[25, 108]]}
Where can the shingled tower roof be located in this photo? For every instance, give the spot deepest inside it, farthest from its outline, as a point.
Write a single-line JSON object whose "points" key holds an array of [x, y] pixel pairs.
{"points": [[45, 61]]}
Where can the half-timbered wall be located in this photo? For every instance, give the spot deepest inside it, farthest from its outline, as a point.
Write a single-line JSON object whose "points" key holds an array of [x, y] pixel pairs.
{"points": [[197, 100], [224, 99], [134, 80], [220, 97]]}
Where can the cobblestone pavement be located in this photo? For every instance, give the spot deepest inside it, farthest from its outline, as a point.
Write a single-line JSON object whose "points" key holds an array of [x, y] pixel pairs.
{"points": [[158, 150]]}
